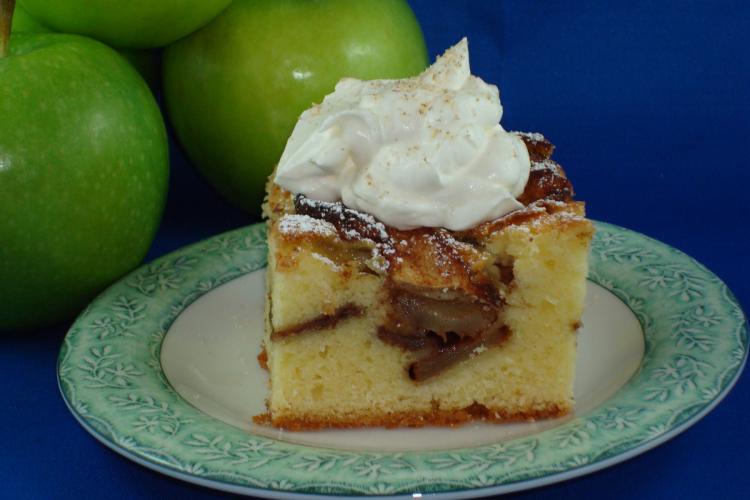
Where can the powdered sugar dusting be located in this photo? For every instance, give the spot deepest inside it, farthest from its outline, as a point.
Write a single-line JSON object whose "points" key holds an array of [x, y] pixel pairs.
{"points": [[532, 136], [326, 261], [549, 165], [338, 210], [297, 224], [378, 262], [449, 250], [560, 210], [351, 234]]}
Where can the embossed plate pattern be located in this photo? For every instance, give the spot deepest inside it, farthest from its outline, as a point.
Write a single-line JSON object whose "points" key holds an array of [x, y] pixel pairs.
{"points": [[111, 378]]}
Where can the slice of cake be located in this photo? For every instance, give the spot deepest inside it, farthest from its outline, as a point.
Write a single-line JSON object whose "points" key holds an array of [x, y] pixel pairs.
{"points": [[407, 297]]}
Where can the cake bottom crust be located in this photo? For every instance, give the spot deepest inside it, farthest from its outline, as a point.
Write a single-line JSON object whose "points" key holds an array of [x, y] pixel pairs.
{"points": [[436, 417]]}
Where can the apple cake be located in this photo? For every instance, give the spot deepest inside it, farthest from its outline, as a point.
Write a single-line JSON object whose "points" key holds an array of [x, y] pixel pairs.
{"points": [[368, 325], [425, 266]]}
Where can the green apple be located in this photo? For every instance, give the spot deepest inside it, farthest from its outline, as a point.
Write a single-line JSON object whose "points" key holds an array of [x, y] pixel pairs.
{"points": [[83, 174], [135, 24], [147, 62], [235, 88]]}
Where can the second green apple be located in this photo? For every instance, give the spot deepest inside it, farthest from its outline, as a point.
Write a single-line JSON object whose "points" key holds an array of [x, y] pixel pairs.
{"points": [[235, 88]]}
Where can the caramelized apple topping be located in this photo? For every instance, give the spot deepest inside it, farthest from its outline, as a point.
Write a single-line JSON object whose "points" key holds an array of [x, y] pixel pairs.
{"points": [[350, 224], [537, 145], [412, 314], [320, 322], [344, 252], [546, 181], [440, 327], [452, 351]]}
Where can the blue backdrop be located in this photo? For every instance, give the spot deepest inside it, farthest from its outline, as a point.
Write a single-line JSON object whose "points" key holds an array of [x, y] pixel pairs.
{"points": [[648, 105]]}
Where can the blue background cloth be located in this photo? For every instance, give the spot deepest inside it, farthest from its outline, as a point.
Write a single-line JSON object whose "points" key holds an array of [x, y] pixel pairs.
{"points": [[648, 105]]}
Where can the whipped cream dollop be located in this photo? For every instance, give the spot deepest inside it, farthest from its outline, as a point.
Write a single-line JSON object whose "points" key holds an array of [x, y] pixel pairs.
{"points": [[422, 151]]}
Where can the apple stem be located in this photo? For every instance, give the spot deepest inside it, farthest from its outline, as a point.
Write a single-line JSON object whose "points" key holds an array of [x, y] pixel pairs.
{"points": [[6, 16]]}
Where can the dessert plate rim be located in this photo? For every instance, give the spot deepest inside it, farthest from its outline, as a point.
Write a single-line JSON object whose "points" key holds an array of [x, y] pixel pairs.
{"points": [[111, 379]]}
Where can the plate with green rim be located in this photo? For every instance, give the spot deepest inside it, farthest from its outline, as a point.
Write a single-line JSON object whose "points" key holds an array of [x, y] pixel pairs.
{"points": [[161, 368]]}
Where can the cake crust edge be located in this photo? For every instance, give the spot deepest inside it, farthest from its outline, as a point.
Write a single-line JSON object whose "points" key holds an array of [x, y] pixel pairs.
{"points": [[435, 417]]}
